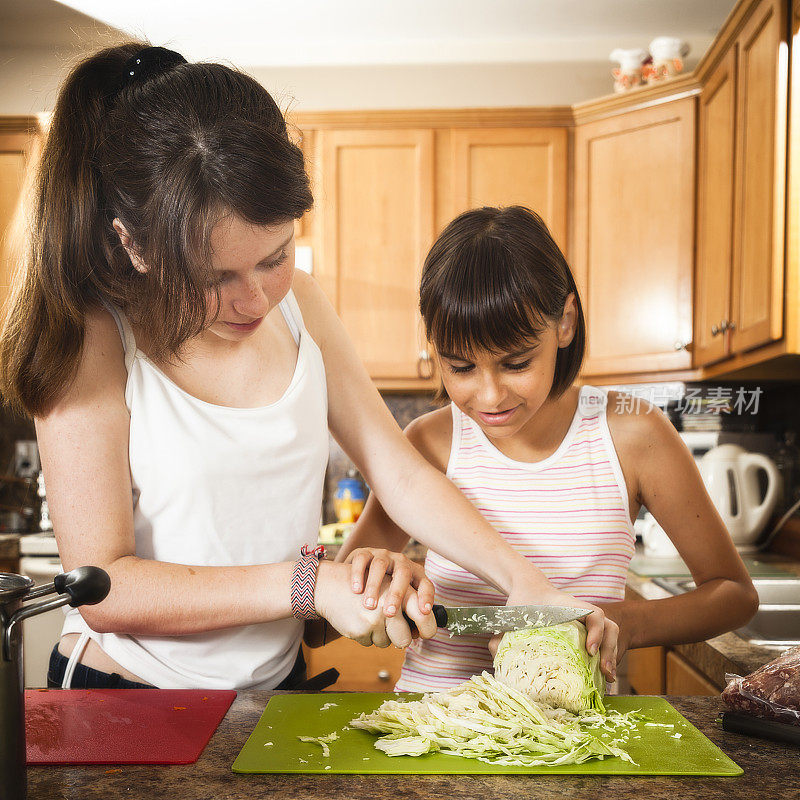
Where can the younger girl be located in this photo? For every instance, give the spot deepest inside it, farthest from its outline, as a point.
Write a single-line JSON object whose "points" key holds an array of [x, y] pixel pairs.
{"points": [[560, 470]]}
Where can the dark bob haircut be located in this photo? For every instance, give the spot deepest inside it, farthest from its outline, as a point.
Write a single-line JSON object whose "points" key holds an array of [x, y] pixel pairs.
{"points": [[492, 282]]}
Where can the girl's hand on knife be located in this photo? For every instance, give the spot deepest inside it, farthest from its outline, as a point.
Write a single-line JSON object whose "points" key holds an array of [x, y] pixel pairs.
{"points": [[601, 632], [369, 566]]}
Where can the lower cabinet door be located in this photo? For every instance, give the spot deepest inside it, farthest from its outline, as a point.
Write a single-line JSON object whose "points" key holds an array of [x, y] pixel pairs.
{"points": [[361, 669], [684, 679], [646, 670]]}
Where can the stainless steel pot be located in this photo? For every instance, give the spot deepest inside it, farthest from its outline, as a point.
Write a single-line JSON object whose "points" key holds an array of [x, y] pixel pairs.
{"points": [[82, 586]]}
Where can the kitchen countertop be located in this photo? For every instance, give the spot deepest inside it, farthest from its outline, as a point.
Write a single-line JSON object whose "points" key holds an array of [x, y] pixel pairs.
{"points": [[770, 770]]}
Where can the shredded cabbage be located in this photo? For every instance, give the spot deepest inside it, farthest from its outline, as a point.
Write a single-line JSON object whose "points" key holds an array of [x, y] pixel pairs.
{"points": [[551, 666], [322, 741], [488, 720]]}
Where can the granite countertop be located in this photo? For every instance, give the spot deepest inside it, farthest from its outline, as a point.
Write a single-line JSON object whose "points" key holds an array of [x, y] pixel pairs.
{"points": [[770, 770]]}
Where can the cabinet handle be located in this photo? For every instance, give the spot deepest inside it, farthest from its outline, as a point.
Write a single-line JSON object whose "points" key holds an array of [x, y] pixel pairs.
{"points": [[681, 346], [384, 675], [424, 359], [726, 325], [715, 331]]}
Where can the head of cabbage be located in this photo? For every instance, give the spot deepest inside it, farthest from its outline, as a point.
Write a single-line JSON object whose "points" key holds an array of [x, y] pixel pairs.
{"points": [[551, 666]]}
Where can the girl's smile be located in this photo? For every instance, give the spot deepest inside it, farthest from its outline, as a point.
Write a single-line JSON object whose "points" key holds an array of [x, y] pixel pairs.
{"points": [[497, 417], [245, 327]]}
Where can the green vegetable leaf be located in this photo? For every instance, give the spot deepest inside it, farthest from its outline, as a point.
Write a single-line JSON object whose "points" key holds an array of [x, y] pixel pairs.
{"points": [[551, 666]]}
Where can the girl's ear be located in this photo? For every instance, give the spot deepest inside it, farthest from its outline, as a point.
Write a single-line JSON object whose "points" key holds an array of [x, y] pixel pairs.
{"points": [[569, 317], [127, 243]]}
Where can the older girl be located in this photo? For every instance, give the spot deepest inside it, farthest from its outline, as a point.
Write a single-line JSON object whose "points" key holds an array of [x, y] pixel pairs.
{"points": [[183, 379]]}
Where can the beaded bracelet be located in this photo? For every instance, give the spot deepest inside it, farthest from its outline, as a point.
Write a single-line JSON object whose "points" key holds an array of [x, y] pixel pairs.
{"points": [[304, 581]]}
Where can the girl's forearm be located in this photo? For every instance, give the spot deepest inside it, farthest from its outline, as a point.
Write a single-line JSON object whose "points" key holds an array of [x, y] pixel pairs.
{"points": [[431, 509], [715, 607], [163, 599]]}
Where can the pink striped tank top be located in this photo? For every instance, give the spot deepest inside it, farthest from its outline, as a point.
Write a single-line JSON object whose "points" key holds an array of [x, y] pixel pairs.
{"points": [[568, 514]]}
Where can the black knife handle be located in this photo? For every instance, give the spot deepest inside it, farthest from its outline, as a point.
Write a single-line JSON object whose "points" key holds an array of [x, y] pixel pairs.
{"points": [[755, 726], [440, 615]]}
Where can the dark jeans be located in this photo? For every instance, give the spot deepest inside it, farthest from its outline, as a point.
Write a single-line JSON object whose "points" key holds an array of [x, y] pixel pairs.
{"points": [[87, 678]]}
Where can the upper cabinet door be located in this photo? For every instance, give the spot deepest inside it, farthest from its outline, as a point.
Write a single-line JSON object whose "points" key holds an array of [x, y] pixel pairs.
{"points": [[758, 250], [634, 237], [17, 148], [715, 186], [375, 193], [513, 166]]}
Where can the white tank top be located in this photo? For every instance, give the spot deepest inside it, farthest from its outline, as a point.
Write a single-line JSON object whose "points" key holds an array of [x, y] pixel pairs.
{"points": [[220, 486]]}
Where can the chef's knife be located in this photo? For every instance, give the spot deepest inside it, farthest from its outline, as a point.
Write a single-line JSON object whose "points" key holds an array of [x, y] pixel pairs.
{"points": [[472, 620]]}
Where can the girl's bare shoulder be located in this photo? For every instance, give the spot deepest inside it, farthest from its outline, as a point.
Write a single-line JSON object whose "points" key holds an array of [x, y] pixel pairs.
{"points": [[640, 429], [432, 435], [101, 369]]}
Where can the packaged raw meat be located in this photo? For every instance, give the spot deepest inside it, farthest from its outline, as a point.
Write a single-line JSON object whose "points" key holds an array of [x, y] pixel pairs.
{"points": [[772, 691]]}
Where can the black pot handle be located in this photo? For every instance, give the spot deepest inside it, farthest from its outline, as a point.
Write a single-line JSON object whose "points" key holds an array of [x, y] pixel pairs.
{"points": [[86, 586]]}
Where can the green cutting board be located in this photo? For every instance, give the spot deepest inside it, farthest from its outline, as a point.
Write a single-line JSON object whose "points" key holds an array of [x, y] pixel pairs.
{"points": [[669, 567], [274, 747]]}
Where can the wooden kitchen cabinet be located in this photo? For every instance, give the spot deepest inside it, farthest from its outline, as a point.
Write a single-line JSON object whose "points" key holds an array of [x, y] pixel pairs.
{"points": [[684, 679], [669, 202], [715, 191], [304, 227], [361, 669], [646, 670], [742, 191], [513, 166], [634, 237], [659, 670], [375, 195], [760, 199], [18, 144]]}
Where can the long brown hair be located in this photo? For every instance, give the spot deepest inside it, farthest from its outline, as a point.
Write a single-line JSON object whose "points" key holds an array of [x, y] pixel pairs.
{"points": [[492, 281], [168, 155]]}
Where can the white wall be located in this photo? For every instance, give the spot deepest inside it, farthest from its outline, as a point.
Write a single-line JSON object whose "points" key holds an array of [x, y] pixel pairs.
{"points": [[438, 85], [29, 79]]}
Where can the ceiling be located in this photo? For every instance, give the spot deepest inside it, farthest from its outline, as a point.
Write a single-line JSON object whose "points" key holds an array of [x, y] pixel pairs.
{"points": [[380, 32]]}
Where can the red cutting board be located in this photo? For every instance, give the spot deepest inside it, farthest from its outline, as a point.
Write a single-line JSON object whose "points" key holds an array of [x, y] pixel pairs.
{"points": [[121, 726]]}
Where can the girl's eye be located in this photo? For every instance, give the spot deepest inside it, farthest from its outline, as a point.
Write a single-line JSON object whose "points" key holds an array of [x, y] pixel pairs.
{"points": [[520, 365], [277, 262], [219, 281], [461, 370]]}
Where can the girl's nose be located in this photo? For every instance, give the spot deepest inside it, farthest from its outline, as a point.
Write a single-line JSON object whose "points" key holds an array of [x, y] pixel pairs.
{"points": [[490, 392], [252, 300]]}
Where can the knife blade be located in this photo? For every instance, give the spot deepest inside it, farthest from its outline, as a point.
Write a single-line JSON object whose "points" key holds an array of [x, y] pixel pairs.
{"points": [[471, 620]]}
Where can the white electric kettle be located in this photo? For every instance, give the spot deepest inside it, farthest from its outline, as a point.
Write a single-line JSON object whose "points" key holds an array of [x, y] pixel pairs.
{"points": [[731, 477]]}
